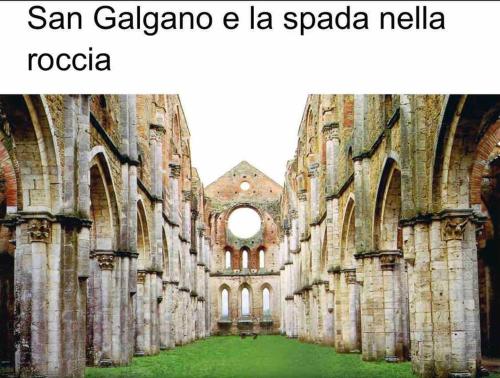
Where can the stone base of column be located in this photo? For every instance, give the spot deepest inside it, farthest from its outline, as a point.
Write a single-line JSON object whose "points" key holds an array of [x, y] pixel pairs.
{"points": [[460, 374], [391, 359], [139, 353], [105, 362]]}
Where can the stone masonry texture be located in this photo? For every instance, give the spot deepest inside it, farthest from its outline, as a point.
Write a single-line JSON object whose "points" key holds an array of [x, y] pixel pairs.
{"points": [[382, 239]]}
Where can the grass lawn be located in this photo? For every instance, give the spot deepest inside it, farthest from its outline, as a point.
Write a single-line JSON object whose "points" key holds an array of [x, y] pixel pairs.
{"points": [[267, 356]]}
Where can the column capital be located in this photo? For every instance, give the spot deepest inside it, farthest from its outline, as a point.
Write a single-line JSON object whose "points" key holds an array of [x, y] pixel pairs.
{"points": [[156, 132], [350, 277], [453, 228], [331, 130], [106, 261], [39, 230], [286, 226], [201, 230], [141, 276], [187, 195], [157, 127], [313, 170], [175, 170], [302, 195], [388, 262]]}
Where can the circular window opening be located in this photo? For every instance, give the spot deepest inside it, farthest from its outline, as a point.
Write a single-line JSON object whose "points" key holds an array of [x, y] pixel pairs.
{"points": [[244, 222], [245, 185]]}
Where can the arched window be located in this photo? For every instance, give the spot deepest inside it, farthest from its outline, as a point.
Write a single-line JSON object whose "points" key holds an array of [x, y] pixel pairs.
{"points": [[228, 260], [266, 305], [244, 259], [261, 259], [245, 302], [225, 304]]}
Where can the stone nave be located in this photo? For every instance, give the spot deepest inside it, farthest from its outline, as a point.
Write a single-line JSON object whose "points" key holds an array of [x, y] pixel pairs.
{"points": [[382, 240]]}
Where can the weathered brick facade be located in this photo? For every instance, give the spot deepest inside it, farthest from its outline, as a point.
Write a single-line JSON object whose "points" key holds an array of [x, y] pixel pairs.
{"points": [[224, 196]]}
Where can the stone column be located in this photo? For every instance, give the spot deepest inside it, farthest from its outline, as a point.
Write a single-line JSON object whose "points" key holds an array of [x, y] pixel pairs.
{"points": [[132, 192], [106, 263], [314, 328], [353, 303], [164, 317], [147, 313], [175, 171], [70, 264], [39, 236], [139, 315], [125, 314], [330, 132], [461, 284], [388, 263]]}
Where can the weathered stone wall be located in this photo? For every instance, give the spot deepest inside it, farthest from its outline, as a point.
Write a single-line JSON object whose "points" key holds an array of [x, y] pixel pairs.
{"points": [[389, 179], [104, 228], [382, 241]]}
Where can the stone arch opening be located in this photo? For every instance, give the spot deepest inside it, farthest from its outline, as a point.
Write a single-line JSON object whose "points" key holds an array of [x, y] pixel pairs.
{"points": [[462, 177], [387, 231], [266, 297], [489, 265], [485, 195], [103, 207], [228, 263], [225, 309], [27, 128], [30, 181], [245, 301], [387, 235], [348, 295], [245, 254], [262, 258], [348, 247], [143, 243]]}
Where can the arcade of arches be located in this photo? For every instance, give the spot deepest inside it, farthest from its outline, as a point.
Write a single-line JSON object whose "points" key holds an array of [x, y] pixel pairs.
{"points": [[382, 241]]}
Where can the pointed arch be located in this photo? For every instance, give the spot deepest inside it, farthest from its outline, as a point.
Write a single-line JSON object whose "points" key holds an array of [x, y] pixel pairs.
{"points": [[228, 258], [245, 300], [463, 119], [348, 247], [245, 256], [266, 292], [262, 257], [30, 180], [224, 301], [103, 205], [143, 240], [165, 252], [29, 137], [387, 233]]}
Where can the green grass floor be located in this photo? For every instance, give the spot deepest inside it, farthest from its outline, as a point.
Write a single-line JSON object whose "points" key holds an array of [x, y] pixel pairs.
{"points": [[267, 356]]}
